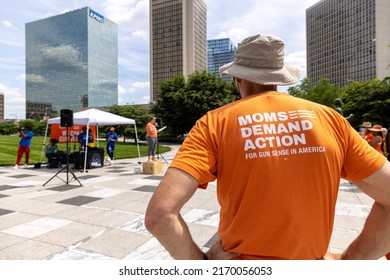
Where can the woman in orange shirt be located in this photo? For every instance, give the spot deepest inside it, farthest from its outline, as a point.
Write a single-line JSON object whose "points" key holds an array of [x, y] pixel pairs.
{"points": [[376, 141], [151, 137]]}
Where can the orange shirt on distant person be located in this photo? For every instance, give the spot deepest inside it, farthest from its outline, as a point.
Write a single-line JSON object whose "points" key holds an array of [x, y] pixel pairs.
{"points": [[278, 161], [378, 147], [151, 130]]}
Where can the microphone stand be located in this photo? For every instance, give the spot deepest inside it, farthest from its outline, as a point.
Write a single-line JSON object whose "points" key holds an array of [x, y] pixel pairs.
{"points": [[158, 146], [67, 168]]}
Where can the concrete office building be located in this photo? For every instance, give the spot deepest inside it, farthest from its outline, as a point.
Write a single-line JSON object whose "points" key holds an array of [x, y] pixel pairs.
{"points": [[348, 40], [219, 52], [178, 40], [71, 62]]}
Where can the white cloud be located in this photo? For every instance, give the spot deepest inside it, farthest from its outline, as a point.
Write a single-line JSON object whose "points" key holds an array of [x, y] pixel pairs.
{"points": [[14, 102], [136, 93], [133, 15], [121, 90], [141, 85], [8, 24], [21, 77], [146, 99], [296, 59]]}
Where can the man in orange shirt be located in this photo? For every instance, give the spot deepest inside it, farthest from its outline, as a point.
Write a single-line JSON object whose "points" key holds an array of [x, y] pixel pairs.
{"points": [[278, 161]]}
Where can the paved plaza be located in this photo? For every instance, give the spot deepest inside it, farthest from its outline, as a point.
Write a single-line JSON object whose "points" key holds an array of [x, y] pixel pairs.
{"points": [[104, 218]]}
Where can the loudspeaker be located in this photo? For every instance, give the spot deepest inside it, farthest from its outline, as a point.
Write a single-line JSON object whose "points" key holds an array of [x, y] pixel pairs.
{"points": [[66, 118]]}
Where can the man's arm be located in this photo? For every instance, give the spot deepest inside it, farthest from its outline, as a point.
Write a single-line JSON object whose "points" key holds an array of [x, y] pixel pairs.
{"points": [[374, 240], [164, 221]]}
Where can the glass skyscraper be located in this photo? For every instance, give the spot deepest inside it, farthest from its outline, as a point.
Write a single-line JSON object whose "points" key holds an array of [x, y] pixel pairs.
{"points": [[71, 62], [219, 52]]}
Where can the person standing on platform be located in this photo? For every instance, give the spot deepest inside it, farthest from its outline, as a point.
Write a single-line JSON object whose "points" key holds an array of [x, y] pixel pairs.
{"points": [[24, 145], [151, 137], [277, 160], [111, 138]]}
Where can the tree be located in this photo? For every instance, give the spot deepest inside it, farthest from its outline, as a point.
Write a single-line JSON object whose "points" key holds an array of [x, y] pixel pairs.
{"points": [[137, 113], [182, 102], [368, 101], [323, 93], [300, 90], [8, 128]]}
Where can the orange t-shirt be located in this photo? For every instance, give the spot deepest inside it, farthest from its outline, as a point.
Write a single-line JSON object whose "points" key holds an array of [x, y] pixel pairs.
{"points": [[378, 147], [151, 130], [278, 161]]}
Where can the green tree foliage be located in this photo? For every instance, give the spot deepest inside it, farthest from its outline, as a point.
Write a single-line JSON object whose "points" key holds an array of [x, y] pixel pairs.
{"points": [[368, 101], [137, 113], [182, 102], [8, 128], [37, 126], [323, 93]]}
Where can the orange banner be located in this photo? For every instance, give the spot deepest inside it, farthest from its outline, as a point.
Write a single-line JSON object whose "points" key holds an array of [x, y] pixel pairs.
{"points": [[58, 132]]}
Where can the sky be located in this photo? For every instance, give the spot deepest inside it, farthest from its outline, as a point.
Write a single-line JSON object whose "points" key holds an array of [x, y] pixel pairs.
{"points": [[225, 19]]}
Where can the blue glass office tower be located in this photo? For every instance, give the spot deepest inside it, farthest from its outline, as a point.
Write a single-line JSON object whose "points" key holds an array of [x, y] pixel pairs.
{"points": [[219, 52], [71, 61]]}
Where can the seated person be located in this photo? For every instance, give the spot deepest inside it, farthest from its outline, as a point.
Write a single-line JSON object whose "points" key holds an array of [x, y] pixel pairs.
{"points": [[91, 139], [52, 152], [82, 137]]}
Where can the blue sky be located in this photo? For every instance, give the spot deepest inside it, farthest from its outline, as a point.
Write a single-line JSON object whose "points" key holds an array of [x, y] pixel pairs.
{"points": [[227, 18]]}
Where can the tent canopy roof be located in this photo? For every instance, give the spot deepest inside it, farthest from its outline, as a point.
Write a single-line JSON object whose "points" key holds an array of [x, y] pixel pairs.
{"points": [[95, 117]]}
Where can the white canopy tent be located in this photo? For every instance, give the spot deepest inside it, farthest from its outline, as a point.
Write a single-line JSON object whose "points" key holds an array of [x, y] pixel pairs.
{"points": [[93, 117]]}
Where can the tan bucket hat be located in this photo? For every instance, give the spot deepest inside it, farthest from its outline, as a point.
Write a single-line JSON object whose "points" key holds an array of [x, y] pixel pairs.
{"points": [[260, 59], [366, 124], [376, 127]]}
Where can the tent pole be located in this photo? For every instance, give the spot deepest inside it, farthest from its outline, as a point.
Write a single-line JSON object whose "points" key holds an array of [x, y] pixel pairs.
{"points": [[86, 148], [136, 140], [44, 141], [97, 135]]}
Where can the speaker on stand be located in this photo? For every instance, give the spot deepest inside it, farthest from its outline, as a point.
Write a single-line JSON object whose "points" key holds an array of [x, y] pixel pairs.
{"points": [[66, 120]]}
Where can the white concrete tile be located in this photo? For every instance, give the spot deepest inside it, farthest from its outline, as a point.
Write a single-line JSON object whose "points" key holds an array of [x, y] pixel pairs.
{"points": [[151, 250], [353, 210], [79, 254], [203, 217], [104, 193], [38, 194], [36, 227], [22, 183], [142, 182], [136, 225], [98, 179]]}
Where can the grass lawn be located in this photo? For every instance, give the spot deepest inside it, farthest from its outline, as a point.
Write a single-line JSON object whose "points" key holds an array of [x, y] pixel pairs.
{"points": [[9, 148]]}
